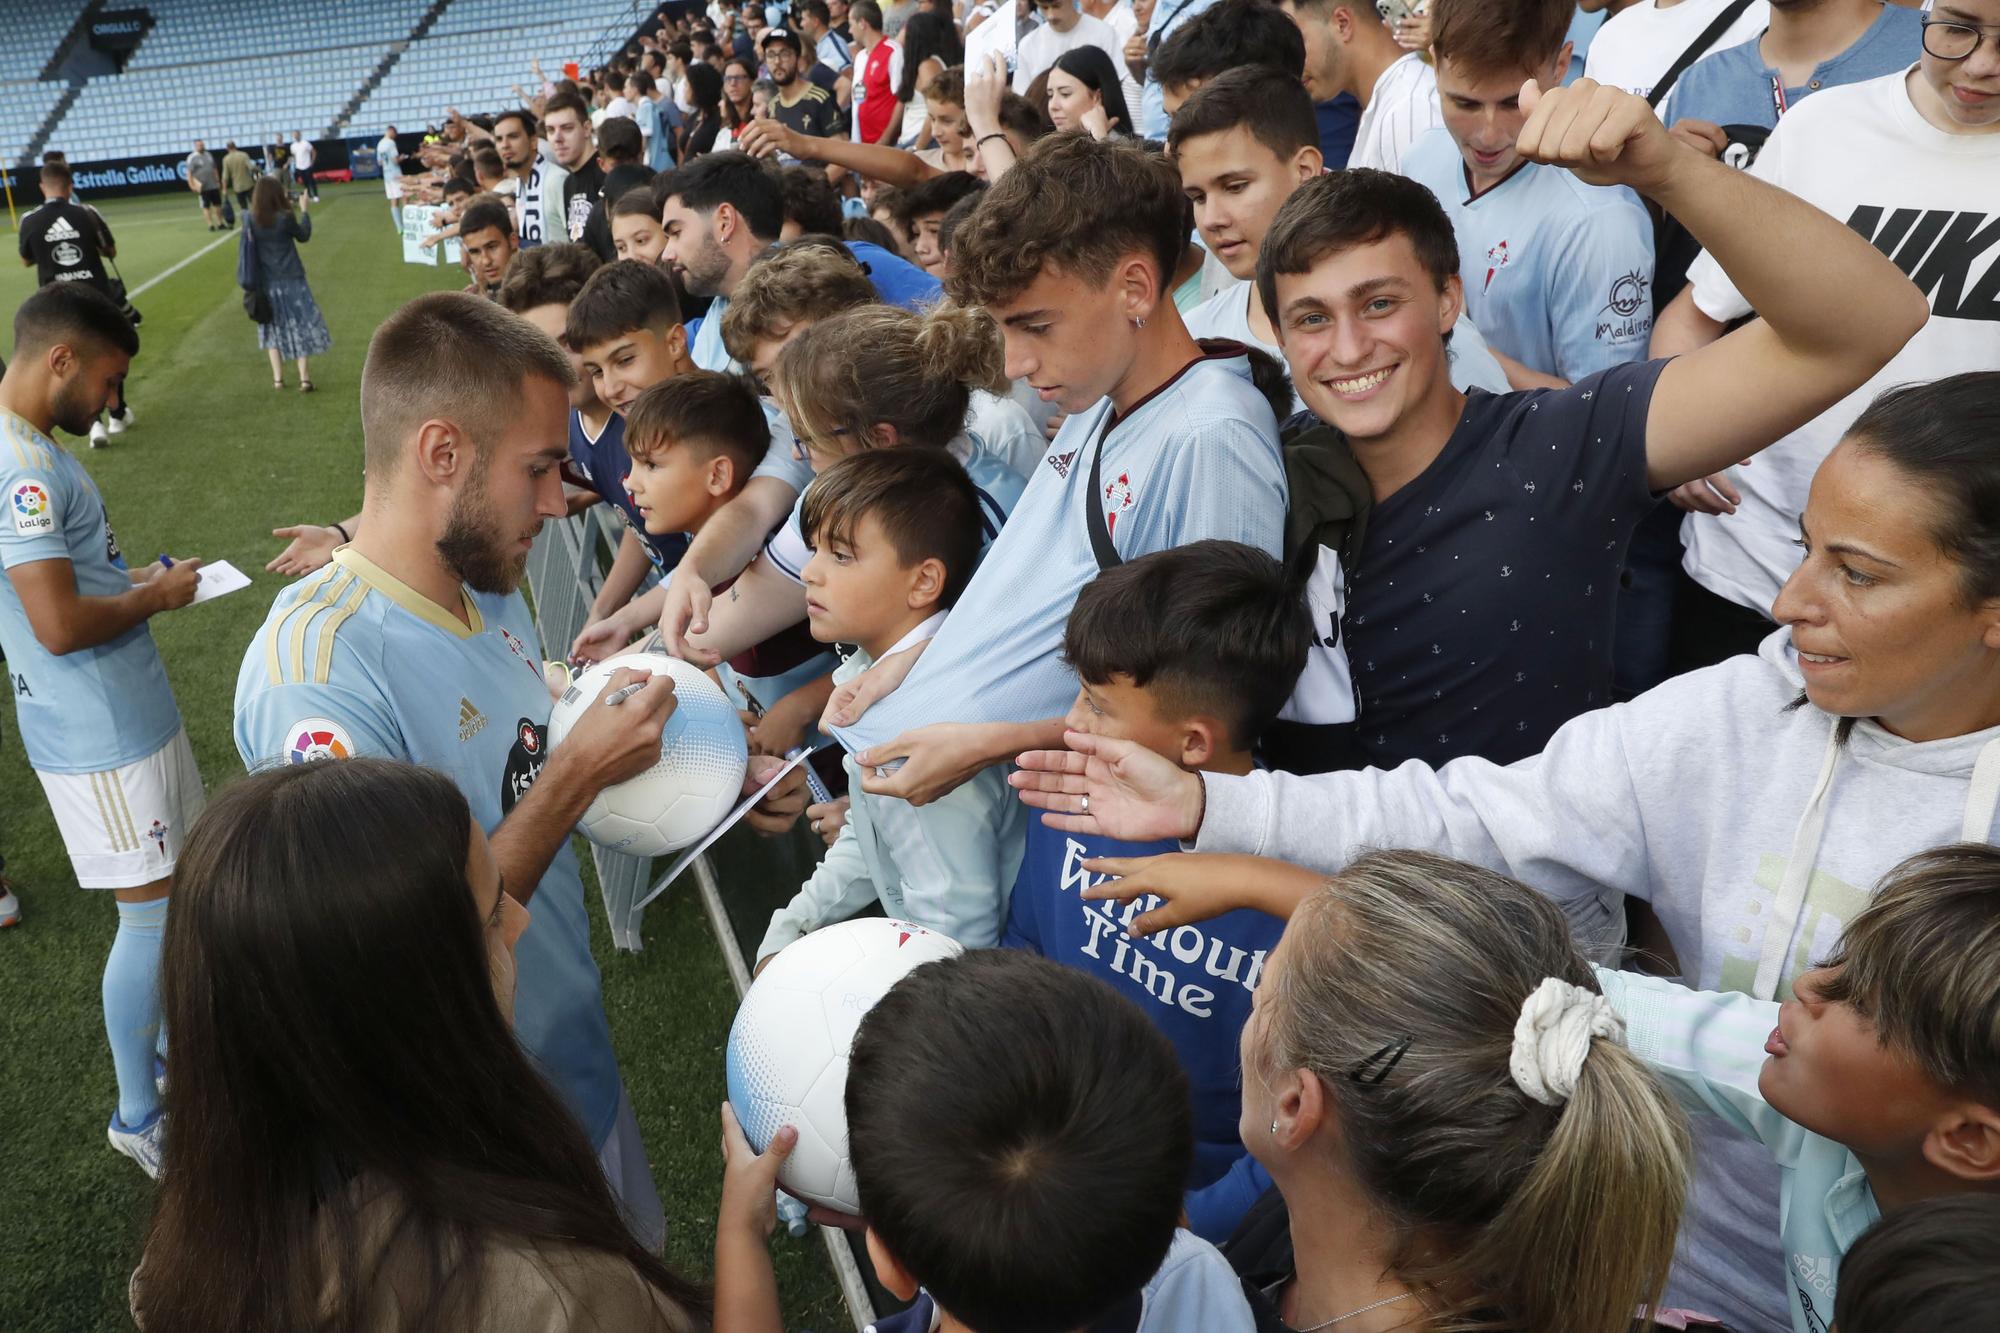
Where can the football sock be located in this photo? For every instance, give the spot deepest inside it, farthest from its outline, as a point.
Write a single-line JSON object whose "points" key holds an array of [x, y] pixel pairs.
{"points": [[132, 1007]]}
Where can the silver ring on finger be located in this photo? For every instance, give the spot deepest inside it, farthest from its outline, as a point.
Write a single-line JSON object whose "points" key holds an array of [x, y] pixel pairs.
{"points": [[815, 826], [1084, 809]]}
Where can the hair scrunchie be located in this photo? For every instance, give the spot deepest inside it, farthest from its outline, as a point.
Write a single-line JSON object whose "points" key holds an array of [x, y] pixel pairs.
{"points": [[1552, 1038]]}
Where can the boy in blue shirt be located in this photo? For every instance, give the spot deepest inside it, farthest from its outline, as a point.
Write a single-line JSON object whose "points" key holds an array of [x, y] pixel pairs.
{"points": [[1191, 652], [1907, 1009], [1558, 273], [97, 716], [1018, 1135], [895, 535]]}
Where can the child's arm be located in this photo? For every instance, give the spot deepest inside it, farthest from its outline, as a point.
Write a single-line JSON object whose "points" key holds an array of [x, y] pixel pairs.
{"points": [[1708, 1046], [607, 637], [839, 888], [746, 1287], [1196, 886], [760, 603], [627, 572]]}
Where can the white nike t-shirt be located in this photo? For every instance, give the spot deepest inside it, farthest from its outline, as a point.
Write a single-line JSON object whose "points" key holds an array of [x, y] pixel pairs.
{"points": [[1930, 201]]}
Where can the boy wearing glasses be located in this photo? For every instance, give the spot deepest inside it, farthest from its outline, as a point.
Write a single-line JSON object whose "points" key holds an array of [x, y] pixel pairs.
{"points": [[1912, 162]]}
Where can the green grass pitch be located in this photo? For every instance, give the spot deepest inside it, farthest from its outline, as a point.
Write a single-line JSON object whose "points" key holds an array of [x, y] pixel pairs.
{"points": [[217, 459]]}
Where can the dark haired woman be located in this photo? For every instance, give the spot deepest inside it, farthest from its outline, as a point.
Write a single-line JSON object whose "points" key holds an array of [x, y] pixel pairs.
{"points": [[930, 47], [296, 330], [704, 83], [1751, 804], [356, 1139], [1084, 94]]}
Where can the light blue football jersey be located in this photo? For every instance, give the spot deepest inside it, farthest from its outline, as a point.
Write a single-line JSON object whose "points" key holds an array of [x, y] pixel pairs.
{"points": [[97, 708], [1558, 274], [708, 351], [351, 660], [1197, 459]]}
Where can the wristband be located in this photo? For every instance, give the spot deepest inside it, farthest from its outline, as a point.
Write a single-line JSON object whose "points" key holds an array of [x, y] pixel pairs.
{"points": [[980, 142], [344, 538]]}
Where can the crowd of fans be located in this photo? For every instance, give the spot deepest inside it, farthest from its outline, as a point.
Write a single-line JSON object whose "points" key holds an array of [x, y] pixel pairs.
{"points": [[1425, 603]]}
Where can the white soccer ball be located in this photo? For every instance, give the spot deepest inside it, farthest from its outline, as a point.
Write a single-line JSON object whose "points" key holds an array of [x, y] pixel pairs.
{"points": [[787, 1058], [698, 778]]}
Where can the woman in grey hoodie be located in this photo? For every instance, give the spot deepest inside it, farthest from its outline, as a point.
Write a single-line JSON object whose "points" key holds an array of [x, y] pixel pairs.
{"points": [[1750, 804]]}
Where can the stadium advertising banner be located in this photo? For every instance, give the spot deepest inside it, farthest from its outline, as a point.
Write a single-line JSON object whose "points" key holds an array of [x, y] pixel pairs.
{"points": [[118, 31], [146, 175]]}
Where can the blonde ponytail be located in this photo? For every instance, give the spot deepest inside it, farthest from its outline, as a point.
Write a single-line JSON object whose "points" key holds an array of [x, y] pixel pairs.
{"points": [[1400, 988], [879, 364]]}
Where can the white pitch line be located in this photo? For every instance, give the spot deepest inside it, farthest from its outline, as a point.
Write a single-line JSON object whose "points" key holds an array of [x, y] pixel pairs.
{"points": [[163, 275]]}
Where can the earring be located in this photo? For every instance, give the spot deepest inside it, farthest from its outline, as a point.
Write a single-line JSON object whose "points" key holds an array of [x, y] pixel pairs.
{"points": [[1274, 1129], [1138, 323]]}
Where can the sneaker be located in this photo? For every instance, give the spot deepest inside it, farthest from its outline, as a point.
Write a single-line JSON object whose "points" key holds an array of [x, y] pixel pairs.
{"points": [[120, 424], [10, 909], [142, 1145], [99, 436]]}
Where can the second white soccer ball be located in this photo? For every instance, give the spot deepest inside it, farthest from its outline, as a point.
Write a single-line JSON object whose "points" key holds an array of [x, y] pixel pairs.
{"points": [[786, 1062], [697, 779]]}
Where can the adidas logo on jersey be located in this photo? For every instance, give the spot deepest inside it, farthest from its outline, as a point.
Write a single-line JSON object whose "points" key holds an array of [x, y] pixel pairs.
{"points": [[1061, 462], [470, 720], [61, 231]]}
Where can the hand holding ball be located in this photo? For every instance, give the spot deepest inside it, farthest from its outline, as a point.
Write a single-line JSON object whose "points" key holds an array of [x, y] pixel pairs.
{"points": [[697, 777], [787, 1057]]}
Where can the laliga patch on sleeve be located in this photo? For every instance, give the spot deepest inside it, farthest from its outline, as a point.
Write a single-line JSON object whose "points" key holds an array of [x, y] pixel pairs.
{"points": [[317, 738], [34, 510]]}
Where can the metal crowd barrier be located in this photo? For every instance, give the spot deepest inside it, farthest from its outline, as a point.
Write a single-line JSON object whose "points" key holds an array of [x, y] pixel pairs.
{"points": [[565, 570]]}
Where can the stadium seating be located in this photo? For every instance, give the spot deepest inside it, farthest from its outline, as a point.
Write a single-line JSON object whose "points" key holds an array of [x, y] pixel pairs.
{"points": [[29, 33], [204, 31], [223, 69], [480, 49]]}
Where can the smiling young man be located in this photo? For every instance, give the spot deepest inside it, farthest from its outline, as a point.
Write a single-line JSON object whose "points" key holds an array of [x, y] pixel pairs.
{"points": [[1912, 162], [1243, 142], [1479, 608], [1557, 272]]}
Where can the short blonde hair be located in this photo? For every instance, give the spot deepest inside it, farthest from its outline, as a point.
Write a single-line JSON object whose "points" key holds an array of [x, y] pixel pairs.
{"points": [[451, 355]]}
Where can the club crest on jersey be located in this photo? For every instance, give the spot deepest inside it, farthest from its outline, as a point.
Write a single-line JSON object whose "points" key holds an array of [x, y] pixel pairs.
{"points": [[67, 255], [31, 508], [318, 738], [158, 833], [519, 650], [524, 762], [1496, 259], [1118, 497]]}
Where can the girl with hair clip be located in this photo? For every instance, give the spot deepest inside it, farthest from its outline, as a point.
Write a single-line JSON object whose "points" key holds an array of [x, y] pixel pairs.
{"points": [[1458, 1135], [875, 377], [353, 1132], [1084, 94], [1750, 806]]}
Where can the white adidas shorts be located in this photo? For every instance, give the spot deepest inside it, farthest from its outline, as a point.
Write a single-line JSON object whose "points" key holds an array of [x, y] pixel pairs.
{"points": [[124, 827]]}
